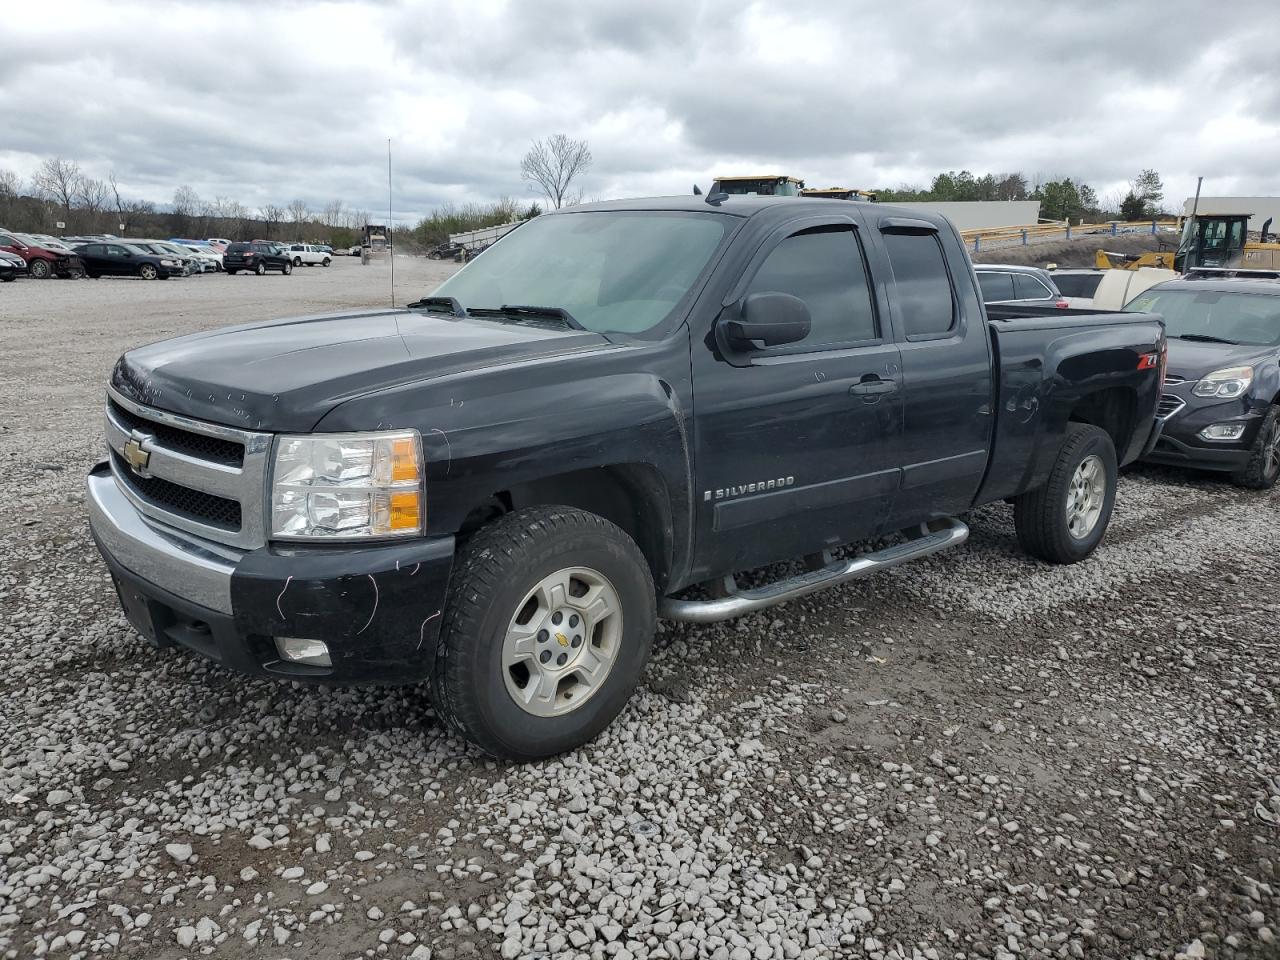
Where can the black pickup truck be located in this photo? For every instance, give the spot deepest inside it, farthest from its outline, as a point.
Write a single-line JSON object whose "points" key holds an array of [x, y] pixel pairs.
{"points": [[499, 488]]}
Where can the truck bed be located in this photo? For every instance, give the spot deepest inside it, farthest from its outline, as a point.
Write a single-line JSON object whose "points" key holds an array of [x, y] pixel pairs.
{"points": [[1085, 352]]}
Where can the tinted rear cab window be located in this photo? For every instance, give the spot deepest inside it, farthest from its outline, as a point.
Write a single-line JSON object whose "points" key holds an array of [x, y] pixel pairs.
{"points": [[925, 298], [238, 248]]}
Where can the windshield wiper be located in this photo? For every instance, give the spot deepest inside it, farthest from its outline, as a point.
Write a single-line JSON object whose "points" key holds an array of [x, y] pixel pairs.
{"points": [[522, 312], [438, 305], [1205, 338]]}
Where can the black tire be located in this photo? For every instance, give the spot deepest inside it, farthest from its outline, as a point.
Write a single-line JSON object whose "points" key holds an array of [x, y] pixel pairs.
{"points": [[1040, 516], [8, 279], [259, 268], [297, 261], [148, 271], [39, 269], [286, 268], [1263, 468], [232, 272], [324, 262], [493, 573]]}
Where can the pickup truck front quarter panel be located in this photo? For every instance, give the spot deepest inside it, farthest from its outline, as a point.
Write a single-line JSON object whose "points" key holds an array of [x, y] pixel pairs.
{"points": [[502, 439]]}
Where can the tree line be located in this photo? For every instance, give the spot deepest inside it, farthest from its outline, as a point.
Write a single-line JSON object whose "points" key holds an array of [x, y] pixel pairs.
{"points": [[1062, 198], [60, 191]]}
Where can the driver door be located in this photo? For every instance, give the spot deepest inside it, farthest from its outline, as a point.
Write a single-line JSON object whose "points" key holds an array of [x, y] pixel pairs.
{"points": [[798, 446]]}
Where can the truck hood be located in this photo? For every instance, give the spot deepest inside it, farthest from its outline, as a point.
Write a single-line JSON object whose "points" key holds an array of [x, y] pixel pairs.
{"points": [[285, 375], [1191, 360]]}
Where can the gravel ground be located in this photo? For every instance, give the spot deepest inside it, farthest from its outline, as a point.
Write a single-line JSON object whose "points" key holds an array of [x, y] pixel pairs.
{"points": [[974, 756]]}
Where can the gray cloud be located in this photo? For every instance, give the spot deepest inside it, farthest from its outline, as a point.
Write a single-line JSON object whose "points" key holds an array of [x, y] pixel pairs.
{"points": [[266, 102]]}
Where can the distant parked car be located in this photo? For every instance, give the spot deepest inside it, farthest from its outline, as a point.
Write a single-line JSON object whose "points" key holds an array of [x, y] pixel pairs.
{"points": [[218, 243], [444, 251], [12, 266], [44, 260], [209, 258], [325, 248], [305, 254], [257, 256], [1014, 283], [189, 262], [127, 260], [1078, 286], [354, 250]]}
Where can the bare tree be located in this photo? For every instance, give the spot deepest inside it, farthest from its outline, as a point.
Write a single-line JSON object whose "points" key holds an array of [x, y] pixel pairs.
{"points": [[9, 186], [59, 180], [552, 165], [333, 214], [298, 211], [271, 215], [186, 207]]}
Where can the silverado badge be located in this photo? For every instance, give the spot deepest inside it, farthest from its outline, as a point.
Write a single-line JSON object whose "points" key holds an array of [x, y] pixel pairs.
{"points": [[136, 456]]}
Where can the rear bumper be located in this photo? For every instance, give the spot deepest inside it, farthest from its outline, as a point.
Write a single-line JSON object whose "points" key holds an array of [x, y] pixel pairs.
{"points": [[377, 608]]}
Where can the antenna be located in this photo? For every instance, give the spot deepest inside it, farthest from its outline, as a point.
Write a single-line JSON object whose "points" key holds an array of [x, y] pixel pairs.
{"points": [[391, 234]]}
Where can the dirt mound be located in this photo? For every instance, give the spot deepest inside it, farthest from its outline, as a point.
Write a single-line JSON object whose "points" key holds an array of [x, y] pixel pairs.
{"points": [[1076, 252]]}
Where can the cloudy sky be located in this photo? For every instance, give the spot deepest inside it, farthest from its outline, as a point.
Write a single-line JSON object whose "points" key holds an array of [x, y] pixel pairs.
{"points": [[270, 100]]}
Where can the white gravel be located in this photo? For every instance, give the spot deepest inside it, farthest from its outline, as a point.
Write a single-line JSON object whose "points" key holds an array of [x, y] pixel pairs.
{"points": [[975, 756]]}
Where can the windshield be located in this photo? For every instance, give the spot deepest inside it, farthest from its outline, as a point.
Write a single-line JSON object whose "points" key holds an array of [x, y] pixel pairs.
{"points": [[613, 271], [1244, 318]]}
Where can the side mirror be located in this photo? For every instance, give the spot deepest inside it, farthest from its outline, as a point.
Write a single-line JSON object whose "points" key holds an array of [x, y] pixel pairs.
{"points": [[766, 319]]}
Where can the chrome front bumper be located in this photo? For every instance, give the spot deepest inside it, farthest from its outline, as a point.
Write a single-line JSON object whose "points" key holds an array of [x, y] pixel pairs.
{"points": [[199, 572]]}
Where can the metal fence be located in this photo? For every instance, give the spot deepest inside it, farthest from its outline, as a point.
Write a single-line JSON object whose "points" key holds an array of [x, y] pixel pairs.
{"points": [[989, 237]]}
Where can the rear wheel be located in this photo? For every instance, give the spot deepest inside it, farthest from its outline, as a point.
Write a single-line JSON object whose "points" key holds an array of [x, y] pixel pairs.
{"points": [[1065, 520], [233, 272], [148, 271], [39, 269], [545, 634], [1263, 468]]}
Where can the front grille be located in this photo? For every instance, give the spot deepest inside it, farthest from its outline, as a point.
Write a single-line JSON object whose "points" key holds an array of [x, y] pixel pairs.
{"points": [[192, 504], [198, 445], [1169, 405]]}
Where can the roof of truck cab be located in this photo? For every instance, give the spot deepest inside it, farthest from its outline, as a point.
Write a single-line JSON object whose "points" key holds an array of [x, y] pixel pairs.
{"points": [[748, 205]]}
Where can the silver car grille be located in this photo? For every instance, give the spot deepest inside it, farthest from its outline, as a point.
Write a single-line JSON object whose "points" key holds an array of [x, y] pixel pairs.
{"points": [[199, 477], [1169, 405]]}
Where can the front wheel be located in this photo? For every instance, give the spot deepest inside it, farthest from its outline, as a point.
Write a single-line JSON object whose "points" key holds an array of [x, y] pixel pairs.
{"points": [[545, 634], [260, 268], [1065, 520], [324, 262], [39, 269], [287, 268], [148, 271], [1263, 467]]}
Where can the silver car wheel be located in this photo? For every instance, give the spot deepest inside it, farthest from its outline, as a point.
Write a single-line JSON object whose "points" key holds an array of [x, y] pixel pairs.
{"points": [[1085, 497], [562, 642]]}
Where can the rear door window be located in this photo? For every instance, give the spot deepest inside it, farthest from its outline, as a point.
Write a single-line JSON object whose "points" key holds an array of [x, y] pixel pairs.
{"points": [[925, 298], [995, 286], [1026, 287]]}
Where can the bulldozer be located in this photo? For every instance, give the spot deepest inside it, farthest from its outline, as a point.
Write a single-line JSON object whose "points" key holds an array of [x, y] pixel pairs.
{"points": [[1216, 240], [766, 185], [839, 193]]}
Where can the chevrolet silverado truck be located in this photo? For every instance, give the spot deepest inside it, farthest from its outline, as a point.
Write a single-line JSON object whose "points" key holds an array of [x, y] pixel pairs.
{"points": [[619, 407]]}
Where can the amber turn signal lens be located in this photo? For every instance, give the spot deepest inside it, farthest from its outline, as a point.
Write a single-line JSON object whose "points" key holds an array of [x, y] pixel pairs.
{"points": [[405, 511], [404, 460]]}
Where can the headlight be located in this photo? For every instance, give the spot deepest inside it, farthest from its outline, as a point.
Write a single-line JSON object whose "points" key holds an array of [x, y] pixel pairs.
{"points": [[348, 486], [1224, 384]]}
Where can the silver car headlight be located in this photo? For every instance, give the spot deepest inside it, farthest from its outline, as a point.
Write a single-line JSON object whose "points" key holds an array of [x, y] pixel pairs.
{"points": [[348, 486], [1224, 384]]}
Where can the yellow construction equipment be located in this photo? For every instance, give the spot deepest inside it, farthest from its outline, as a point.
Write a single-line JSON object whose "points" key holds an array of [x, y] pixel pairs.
{"points": [[839, 193], [1208, 240], [765, 185]]}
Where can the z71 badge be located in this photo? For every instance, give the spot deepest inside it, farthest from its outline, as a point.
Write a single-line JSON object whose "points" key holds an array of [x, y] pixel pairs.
{"points": [[760, 486]]}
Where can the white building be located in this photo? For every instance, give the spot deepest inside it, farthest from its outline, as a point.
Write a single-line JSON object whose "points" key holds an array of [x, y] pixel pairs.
{"points": [[1259, 208]]}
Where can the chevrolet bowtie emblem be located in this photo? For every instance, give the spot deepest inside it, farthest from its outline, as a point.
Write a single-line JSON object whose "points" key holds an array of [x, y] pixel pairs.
{"points": [[562, 639], [135, 455]]}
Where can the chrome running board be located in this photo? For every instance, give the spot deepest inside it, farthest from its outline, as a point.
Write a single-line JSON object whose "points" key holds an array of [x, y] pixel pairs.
{"points": [[921, 542]]}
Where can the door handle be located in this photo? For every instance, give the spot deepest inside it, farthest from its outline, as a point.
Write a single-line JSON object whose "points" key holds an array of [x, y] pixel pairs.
{"points": [[873, 385]]}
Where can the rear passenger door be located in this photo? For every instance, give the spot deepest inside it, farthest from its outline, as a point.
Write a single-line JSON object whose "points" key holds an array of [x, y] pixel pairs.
{"points": [[946, 369], [798, 446]]}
